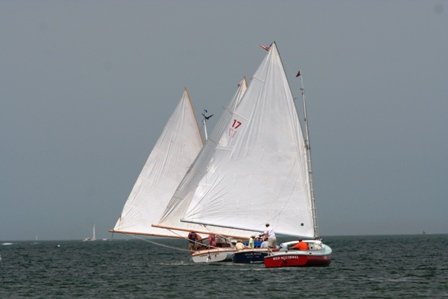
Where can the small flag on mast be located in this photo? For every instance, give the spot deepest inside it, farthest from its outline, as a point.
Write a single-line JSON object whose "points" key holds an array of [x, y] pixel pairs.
{"points": [[298, 74], [265, 47]]}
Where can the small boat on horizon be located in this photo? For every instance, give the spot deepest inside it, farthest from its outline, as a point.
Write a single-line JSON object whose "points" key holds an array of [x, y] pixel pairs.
{"points": [[93, 237]]}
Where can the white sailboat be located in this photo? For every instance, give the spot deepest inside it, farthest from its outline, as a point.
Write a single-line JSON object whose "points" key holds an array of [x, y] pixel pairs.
{"points": [[176, 207], [254, 169], [167, 164], [172, 223], [93, 237]]}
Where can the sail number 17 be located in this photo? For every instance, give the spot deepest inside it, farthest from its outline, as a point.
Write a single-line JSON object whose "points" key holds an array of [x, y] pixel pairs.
{"points": [[236, 124]]}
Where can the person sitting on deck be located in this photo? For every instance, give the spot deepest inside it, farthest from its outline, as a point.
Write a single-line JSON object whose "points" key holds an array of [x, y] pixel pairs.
{"points": [[265, 243], [258, 241], [251, 242], [212, 240], [193, 238], [222, 241], [239, 245], [300, 246]]}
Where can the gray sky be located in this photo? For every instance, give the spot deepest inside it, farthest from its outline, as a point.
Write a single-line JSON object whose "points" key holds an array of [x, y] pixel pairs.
{"points": [[87, 86]]}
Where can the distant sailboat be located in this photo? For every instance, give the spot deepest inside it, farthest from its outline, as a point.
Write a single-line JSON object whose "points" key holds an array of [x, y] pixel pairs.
{"points": [[93, 237]]}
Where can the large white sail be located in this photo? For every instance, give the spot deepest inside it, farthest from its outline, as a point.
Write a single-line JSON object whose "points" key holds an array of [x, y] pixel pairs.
{"points": [[176, 208], [172, 155], [257, 173]]}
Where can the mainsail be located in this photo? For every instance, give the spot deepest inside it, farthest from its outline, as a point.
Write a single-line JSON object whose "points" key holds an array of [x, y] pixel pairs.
{"points": [[172, 155], [254, 169], [176, 208]]}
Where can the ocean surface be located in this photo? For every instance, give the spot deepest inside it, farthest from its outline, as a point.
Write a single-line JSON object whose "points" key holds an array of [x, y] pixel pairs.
{"points": [[363, 267]]}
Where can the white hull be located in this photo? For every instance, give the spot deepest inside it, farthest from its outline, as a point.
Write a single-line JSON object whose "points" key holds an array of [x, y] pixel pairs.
{"points": [[213, 255]]}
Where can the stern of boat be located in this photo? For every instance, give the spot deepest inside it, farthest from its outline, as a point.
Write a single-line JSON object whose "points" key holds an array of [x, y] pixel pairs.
{"points": [[318, 255]]}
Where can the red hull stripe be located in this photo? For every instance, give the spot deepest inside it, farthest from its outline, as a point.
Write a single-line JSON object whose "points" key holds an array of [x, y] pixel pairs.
{"points": [[296, 260]]}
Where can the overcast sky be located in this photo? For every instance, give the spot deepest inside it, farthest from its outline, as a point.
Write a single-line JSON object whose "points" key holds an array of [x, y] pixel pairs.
{"points": [[87, 86]]}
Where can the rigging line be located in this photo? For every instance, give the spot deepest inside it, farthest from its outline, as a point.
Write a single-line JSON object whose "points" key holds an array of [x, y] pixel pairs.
{"points": [[172, 247], [159, 244], [226, 238], [308, 156], [197, 243]]}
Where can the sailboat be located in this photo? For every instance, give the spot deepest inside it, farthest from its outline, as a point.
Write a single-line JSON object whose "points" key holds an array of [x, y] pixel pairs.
{"points": [[254, 169], [171, 218], [166, 166], [93, 237], [168, 162]]}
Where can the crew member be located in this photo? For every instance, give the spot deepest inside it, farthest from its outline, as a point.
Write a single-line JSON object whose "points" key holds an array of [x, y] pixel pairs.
{"points": [[270, 235], [193, 237], [301, 246]]}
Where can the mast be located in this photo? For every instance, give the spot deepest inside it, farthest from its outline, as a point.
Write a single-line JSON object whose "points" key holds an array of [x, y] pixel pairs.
{"points": [[308, 155], [204, 123], [205, 117]]}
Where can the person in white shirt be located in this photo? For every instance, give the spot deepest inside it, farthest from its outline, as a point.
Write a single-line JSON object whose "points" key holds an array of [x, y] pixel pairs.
{"points": [[264, 244], [270, 234]]}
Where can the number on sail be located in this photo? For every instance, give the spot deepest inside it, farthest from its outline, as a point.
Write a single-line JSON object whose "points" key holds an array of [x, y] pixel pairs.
{"points": [[235, 125]]}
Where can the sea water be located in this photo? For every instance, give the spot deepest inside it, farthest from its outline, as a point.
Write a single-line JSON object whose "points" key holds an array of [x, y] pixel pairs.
{"points": [[362, 267]]}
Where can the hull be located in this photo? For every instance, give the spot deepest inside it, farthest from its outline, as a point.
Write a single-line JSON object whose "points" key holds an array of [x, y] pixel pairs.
{"points": [[297, 259], [250, 256], [318, 255], [213, 255]]}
